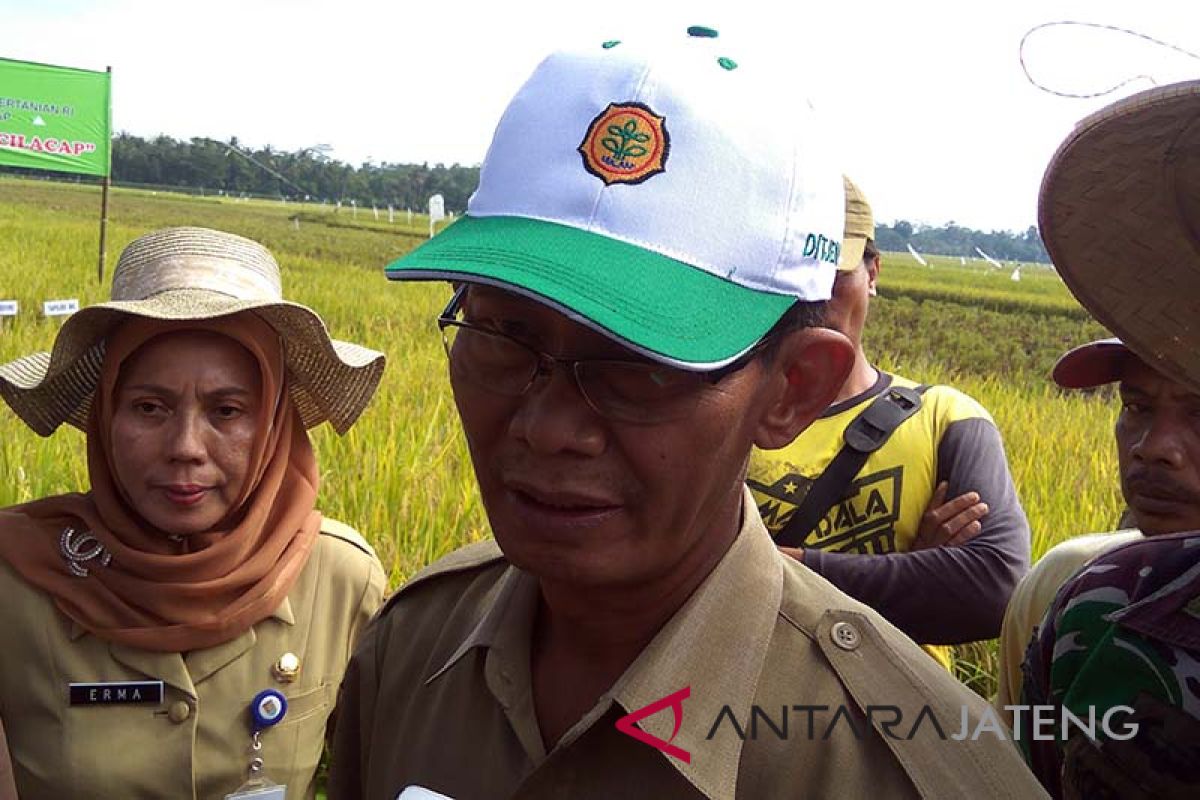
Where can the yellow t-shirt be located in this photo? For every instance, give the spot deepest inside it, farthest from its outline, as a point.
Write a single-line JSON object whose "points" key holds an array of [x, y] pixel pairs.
{"points": [[880, 511]]}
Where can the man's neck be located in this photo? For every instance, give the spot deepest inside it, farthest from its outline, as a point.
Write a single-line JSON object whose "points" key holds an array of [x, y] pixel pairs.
{"points": [[585, 638], [862, 377]]}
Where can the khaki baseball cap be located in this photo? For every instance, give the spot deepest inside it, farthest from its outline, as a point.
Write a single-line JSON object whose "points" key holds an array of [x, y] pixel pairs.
{"points": [[860, 226]]}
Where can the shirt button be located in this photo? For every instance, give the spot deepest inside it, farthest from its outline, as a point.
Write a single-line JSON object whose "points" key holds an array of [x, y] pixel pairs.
{"points": [[179, 712], [845, 635]]}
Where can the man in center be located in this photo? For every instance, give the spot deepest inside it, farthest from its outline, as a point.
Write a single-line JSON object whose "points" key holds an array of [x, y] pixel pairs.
{"points": [[625, 327], [898, 494]]}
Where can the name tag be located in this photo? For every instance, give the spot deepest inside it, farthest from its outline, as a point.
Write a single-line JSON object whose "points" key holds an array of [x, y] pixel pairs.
{"points": [[115, 693]]}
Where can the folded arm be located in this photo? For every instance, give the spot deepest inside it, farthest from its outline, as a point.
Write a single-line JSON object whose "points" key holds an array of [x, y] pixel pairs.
{"points": [[955, 593]]}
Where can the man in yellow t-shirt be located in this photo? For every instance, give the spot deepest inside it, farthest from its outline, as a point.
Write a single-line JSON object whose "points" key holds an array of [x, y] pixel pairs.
{"points": [[941, 571]]}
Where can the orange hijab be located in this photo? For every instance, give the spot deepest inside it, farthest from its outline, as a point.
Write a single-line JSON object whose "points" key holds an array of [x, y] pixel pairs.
{"points": [[172, 594]]}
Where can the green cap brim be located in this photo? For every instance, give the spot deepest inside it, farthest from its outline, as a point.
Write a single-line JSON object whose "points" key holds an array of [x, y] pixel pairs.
{"points": [[661, 307]]}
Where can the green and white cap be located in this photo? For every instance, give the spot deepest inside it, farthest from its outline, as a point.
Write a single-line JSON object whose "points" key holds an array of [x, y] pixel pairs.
{"points": [[678, 200]]}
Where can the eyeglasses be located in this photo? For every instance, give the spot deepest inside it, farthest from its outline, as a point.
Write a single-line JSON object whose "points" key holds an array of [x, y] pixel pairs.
{"points": [[638, 392]]}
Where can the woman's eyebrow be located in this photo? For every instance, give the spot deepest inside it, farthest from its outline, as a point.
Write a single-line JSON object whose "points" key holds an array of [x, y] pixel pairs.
{"points": [[220, 391], [147, 388], [228, 391]]}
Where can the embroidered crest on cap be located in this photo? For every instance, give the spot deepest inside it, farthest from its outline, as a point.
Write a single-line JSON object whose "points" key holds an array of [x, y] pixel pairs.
{"points": [[626, 143]]}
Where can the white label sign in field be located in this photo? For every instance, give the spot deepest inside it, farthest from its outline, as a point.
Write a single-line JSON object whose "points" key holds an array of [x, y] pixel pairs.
{"points": [[437, 212], [60, 308], [8, 308]]}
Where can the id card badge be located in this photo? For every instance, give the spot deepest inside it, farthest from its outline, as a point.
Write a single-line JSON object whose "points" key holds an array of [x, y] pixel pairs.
{"points": [[266, 709], [261, 793]]}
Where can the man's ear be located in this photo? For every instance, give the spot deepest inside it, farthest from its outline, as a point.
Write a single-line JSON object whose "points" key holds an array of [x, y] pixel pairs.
{"points": [[807, 371], [874, 265]]}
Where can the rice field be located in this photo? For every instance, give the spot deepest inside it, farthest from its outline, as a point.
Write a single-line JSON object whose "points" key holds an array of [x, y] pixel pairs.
{"points": [[402, 475]]}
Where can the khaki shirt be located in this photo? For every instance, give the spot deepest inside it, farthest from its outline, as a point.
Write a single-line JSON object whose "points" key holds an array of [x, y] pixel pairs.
{"points": [[196, 743], [439, 695], [1032, 598]]}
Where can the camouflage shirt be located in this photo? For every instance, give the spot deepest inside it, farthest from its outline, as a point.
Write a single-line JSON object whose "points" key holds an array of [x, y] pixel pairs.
{"points": [[1124, 632]]}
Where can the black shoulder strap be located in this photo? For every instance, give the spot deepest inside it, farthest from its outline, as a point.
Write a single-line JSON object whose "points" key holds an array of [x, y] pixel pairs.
{"points": [[863, 436]]}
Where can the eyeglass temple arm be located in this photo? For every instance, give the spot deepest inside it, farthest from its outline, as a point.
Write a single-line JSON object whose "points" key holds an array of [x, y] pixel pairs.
{"points": [[455, 303]]}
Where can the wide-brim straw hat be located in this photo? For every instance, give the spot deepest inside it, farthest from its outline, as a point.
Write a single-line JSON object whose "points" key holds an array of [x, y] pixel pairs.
{"points": [[193, 274], [1119, 212]]}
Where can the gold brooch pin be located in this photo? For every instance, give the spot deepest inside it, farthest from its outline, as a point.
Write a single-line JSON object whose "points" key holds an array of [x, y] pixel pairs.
{"points": [[287, 668]]}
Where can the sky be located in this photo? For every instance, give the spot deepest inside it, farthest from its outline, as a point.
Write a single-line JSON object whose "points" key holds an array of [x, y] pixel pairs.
{"points": [[935, 118]]}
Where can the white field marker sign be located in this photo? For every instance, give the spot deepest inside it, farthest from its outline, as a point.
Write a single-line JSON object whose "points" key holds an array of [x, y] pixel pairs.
{"points": [[437, 211], [391, 214], [9, 308], [409, 210], [989, 259], [917, 256], [60, 308]]}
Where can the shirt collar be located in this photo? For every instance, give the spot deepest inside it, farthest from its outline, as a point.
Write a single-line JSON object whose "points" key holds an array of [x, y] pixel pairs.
{"points": [[734, 610], [513, 601], [1170, 571], [283, 614]]}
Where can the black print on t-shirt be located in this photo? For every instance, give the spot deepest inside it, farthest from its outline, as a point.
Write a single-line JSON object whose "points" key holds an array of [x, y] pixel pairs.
{"points": [[863, 521]]}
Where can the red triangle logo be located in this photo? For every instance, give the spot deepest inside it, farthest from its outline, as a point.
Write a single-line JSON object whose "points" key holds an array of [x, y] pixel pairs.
{"points": [[674, 701]]}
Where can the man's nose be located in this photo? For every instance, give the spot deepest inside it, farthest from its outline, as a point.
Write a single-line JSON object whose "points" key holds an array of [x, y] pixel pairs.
{"points": [[554, 417], [1160, 441]]}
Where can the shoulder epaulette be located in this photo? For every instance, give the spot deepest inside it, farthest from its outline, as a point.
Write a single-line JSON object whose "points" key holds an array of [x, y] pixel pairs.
{"points": [[472, 556], [340, 530]]}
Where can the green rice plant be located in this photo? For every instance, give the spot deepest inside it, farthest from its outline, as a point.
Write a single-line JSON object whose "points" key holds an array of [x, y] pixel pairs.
{"points": [[403, 477]]}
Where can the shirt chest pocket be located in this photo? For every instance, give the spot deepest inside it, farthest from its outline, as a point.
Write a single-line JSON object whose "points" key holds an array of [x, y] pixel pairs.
{"points": [[292, 749]]}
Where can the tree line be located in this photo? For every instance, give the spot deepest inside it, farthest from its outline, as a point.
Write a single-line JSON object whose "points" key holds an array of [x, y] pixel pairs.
{"points": [[206, 165], [229, 168], [952, 239]]}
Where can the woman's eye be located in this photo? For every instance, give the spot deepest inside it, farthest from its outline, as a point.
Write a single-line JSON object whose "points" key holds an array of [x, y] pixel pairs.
{"points": [[146, 407], [228, 412]]}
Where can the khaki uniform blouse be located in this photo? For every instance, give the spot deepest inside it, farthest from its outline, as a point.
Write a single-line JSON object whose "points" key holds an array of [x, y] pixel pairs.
{"points": [[439, 695], [196, 743]]}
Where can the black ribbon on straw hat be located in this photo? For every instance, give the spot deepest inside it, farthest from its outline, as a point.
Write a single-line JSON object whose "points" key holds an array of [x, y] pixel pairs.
{"points": [[193, 274]]}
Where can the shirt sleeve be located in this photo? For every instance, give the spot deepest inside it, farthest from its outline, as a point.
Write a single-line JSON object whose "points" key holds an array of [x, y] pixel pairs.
{"points": [[374, 593], [948, 595], [1020, 620]]}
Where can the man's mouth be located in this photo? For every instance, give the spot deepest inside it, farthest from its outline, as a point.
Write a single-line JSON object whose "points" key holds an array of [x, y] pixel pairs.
{"points": [[563, 505], [1156, 495]]}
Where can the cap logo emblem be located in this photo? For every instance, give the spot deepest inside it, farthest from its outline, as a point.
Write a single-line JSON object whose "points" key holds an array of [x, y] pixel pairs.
{"points": [[626, 143]]}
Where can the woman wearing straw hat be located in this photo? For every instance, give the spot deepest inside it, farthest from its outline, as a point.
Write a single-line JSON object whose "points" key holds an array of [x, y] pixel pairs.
{"points": [[180, 629]]}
